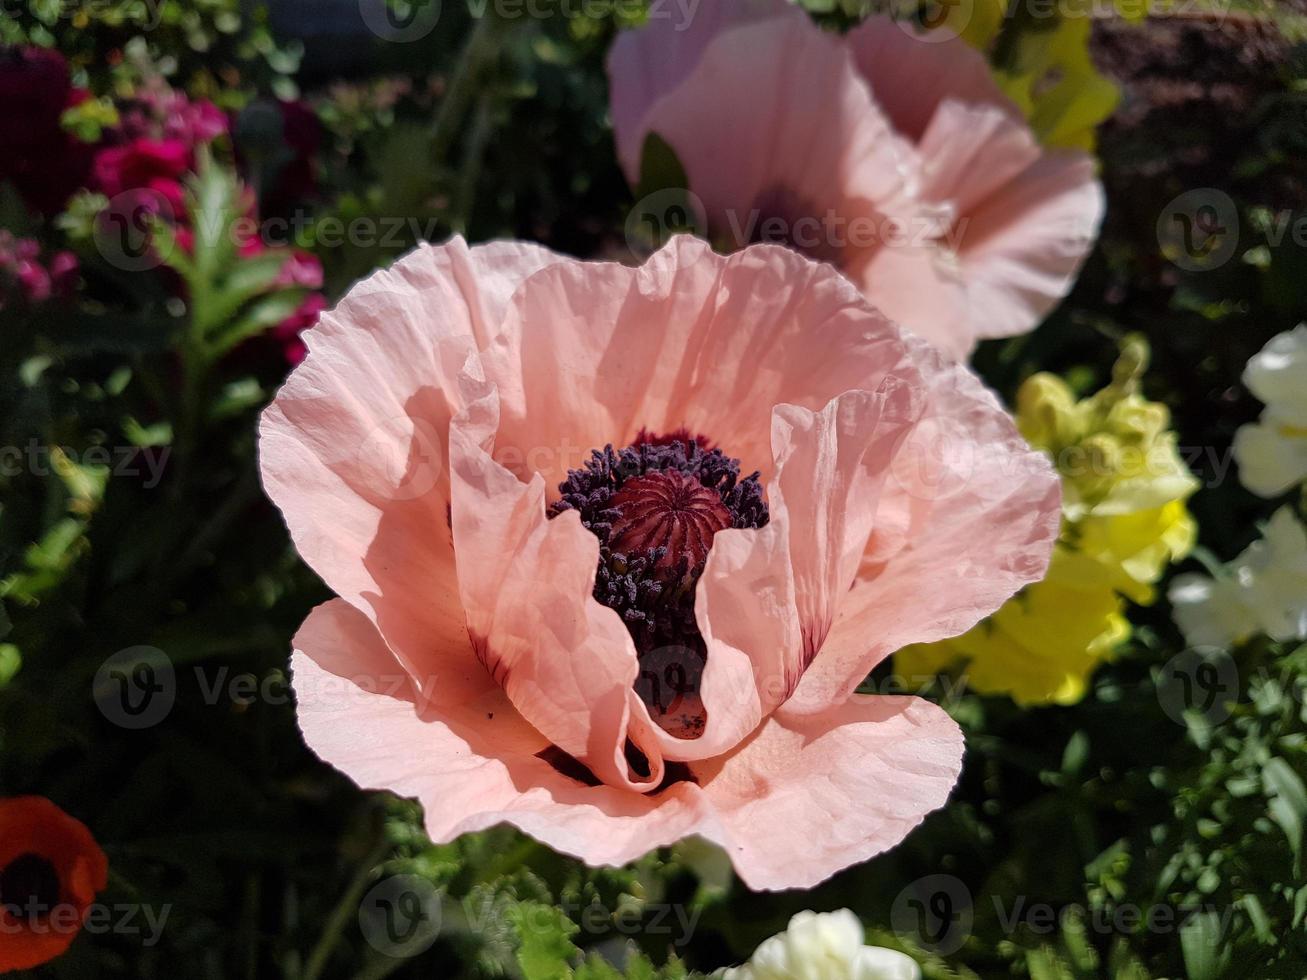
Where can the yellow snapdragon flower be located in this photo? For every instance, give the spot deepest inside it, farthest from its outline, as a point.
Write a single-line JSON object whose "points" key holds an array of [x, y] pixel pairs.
{"points": [[1124, 520], [1048, 70]]}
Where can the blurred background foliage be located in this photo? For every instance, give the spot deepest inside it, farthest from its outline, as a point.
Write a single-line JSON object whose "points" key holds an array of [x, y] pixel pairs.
{"points": [[495, 128]]}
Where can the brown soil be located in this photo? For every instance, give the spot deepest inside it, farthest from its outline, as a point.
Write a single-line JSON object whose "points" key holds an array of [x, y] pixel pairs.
{"points": [[1196, 91]]}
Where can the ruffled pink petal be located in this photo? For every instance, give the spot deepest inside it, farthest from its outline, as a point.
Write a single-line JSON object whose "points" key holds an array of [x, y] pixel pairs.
{"points": [[832, 466], [591, 353], [767, 597], [911, 75], [747, 613], [1026, 242], [969, 152], [802, 800], [646, 64], [968, 517], [918, 284], [1026, 218], [472, 764], [353, 449], [803, 140], [567, 663], [807, 797]]}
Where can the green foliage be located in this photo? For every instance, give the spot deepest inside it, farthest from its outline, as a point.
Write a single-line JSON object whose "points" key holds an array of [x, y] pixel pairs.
{"points": [[1097, 812], [197, 39]]}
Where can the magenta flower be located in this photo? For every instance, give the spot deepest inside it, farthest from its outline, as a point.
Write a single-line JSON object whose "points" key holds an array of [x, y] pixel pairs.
{"points": [[159, 112], [151, 166], [894, 157], [552, 616], [29, 278]]}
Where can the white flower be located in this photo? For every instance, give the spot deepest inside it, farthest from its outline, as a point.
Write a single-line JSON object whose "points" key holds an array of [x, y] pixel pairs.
{"points": [[1279, 588], [1276, 374], [1272, 452], [823, 946], [1212, 612], [1264, 590]]}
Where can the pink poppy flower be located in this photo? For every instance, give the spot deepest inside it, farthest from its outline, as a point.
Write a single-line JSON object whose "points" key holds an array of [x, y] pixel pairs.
{"points": [[614, 649], [894, 157]]}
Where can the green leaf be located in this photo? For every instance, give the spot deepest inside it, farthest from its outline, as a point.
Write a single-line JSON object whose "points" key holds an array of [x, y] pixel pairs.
{"points": [[212, 201], [11, 661], [660, 168], [1200, 943], [237, 398], [1257, 914], [249, 278], [1288, 801], [263, 314], [1044, 964], [664, 204], [546, 950], [638, 967], [596, 967], [1075, 754], [142, 436]]}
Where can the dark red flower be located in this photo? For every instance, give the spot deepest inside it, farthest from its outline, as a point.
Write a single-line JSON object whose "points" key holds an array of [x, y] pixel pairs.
{"points": [[42, 161]]}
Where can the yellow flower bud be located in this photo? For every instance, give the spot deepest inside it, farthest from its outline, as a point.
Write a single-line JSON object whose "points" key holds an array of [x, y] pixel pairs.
{"points": [[1046, 412]]}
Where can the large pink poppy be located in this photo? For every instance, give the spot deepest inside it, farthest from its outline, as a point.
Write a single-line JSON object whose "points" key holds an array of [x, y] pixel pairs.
{"points": [[615, 650], [891, 154]]}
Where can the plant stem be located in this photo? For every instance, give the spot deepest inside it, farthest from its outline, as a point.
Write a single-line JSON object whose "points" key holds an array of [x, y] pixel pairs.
{"points": [[345, 910], [481, 47]]}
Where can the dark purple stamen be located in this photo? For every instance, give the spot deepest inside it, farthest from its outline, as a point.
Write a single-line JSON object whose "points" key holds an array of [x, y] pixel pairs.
{"points": [[655, 507]]}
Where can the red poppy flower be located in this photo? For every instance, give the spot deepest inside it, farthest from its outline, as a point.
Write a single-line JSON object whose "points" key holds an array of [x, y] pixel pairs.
{"points": [[50, 871]]}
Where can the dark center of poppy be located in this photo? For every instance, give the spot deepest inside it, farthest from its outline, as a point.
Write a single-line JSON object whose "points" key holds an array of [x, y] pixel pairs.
{"points": [[669, 512], [780, 217], [29, 887], [655, 507]]}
